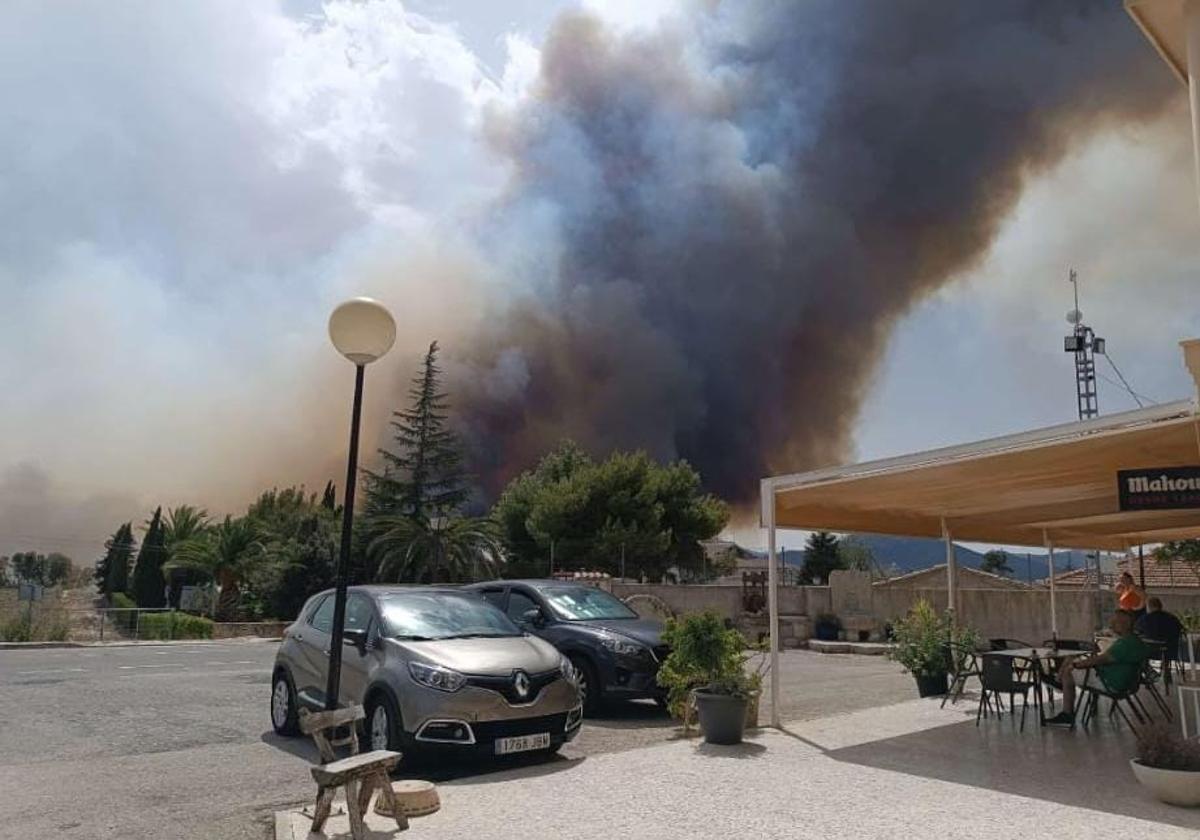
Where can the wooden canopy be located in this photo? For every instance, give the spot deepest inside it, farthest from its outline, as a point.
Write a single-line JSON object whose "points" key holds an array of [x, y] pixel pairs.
{"points": [[1056, 485]]}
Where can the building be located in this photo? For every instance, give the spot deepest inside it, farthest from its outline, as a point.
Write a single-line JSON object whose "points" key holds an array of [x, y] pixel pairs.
{"points": [[935, 578]]}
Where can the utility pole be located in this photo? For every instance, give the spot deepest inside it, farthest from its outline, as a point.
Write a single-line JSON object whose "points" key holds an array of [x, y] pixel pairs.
{"points": [[551, 558], [1085, 344], [1028, 567], [622, 561]]}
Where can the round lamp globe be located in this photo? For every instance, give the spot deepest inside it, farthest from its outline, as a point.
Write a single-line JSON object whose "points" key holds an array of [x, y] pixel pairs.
{"points": [[362, 330]]}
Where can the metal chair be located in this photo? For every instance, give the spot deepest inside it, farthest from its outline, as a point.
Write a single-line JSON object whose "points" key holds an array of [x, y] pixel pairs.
{"points": [[998, 677], [964, 664], [1091, 695]]}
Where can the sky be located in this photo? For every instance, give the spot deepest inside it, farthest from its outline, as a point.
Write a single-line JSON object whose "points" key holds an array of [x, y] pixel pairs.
{"points": [[189, 190]]}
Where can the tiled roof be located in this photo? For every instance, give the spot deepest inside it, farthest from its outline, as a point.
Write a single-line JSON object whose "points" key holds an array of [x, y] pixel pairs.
{"points": [[1168, 574], [965, 574]]}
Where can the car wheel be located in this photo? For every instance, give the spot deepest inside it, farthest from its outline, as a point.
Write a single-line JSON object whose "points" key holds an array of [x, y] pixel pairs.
{"points": [[283, 705], [589, 683], [382, 726]]}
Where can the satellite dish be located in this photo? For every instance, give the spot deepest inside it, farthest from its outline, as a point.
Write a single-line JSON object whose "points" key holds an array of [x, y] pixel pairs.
{"points": [[1074, 316]]}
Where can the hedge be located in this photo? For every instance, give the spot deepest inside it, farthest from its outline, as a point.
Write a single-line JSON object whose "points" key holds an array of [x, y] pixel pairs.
{"points": [[174, 625]]}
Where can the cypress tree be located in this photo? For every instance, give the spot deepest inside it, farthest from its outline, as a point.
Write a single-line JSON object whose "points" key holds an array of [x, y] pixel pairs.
{"points": [[121, 548], [424, 477], [148, 582], [329, 499]]}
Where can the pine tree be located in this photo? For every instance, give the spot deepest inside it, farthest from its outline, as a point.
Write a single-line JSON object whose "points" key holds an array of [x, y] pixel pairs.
{"points": [[148, 582], [329, 499], [820, 558], [122, 546], [424, 478]]}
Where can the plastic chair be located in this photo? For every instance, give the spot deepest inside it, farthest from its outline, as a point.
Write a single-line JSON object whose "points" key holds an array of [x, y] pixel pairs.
{"points": [[998, 677]]}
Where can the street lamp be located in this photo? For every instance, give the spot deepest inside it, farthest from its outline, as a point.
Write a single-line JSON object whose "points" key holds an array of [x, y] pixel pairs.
{"points": [[362, 330]]}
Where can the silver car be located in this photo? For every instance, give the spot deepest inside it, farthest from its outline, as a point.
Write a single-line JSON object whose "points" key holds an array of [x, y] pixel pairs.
{"points": [[436, 669]]}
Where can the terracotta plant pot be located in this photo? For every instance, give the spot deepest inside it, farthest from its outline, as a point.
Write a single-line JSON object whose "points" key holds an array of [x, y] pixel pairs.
{"points": [[1175, 787]]}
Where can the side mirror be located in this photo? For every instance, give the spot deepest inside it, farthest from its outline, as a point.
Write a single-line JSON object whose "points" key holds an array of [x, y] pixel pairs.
{"points": [[534, 617], [355, 637]]}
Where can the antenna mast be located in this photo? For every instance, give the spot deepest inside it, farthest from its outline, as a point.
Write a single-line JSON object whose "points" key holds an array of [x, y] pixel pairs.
{"points": [[1085, 344]]}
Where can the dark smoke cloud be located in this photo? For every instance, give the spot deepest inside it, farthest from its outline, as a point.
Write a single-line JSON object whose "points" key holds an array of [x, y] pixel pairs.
{"points": [[733, 211]]}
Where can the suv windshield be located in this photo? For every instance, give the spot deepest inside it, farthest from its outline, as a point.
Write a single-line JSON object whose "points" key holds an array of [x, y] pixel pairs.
{"points": [[426, 616], [582, 603]]}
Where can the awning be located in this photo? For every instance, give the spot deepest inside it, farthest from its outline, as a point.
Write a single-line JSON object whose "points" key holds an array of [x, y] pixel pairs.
{"points": [[1056, 485]]}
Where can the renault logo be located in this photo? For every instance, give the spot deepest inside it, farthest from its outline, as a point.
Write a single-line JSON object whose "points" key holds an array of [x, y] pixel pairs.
{"points": [[521, 684]]}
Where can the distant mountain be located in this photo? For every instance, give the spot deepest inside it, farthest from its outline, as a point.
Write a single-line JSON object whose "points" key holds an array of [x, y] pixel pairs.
{"points": [[901, 555]]}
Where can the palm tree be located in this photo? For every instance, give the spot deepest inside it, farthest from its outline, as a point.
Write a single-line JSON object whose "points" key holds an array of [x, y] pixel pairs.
{"points": [[184, 523], [419, 550], [224, 553]]}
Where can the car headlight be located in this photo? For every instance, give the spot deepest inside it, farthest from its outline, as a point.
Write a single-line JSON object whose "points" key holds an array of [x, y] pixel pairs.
{"points": [[568, 671], [435, 676], [623, 647]]}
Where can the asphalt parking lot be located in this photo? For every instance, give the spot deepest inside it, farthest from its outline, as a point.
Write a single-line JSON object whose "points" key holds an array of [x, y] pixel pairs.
{"points": [[175, 740]]}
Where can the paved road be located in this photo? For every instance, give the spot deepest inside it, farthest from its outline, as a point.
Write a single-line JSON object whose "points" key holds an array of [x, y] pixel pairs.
{"points": [[175, 741]]}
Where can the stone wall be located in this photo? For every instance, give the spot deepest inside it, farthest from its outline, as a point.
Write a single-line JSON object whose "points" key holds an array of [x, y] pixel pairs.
{"points": [[1022, 614], [239, 629]]}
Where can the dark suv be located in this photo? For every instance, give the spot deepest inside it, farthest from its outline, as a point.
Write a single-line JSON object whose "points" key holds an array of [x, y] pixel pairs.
{"points": [[615, 652]]}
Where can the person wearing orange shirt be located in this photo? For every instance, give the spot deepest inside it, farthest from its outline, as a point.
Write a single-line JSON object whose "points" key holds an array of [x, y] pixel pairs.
{"points": [[1130, 597]]}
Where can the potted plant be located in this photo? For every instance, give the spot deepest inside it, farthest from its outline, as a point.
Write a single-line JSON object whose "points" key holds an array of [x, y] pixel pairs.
{"points": [[757, 666], [1167, 765], [706, 667], [826, 627], [923, 641]]}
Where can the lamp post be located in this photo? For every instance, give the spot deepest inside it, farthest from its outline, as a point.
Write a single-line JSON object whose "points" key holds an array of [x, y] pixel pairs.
{"points": [[362, 330]]}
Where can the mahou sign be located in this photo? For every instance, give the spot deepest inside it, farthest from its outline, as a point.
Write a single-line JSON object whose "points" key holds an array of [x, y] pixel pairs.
{"points": [[1159, 488]]}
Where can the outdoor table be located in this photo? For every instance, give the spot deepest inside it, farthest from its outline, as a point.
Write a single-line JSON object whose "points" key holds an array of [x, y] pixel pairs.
{"points": [[1035, 656]]}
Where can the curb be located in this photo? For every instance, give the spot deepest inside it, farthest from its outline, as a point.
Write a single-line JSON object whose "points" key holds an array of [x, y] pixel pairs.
{"points": [[860, 648], [147, 643]]}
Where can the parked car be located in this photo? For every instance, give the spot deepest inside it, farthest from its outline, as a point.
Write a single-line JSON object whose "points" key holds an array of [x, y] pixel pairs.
{"points": [[435, 670], [615, 652]]}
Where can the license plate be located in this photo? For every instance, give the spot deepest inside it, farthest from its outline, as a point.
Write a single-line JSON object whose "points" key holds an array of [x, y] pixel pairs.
{"points": [[522, 743]]}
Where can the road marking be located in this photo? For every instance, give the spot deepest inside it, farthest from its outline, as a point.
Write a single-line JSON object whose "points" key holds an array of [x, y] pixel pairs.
{"points": [[54, 671], [163, 665]]}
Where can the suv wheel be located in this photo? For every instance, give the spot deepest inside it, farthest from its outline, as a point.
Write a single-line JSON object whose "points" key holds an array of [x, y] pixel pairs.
{"points": [[283, 705], [589, 683], [382, 724]]}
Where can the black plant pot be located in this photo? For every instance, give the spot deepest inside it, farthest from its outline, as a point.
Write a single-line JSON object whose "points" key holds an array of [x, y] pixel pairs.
{"points": [[933, 685], [722, 717], [826, 632]]}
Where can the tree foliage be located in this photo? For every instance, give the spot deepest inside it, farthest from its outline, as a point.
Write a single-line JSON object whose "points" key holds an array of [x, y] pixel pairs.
{"points": [[821, 557], [148, 582], [118, 554], [856, 554], [300, 540], [43, 569], [996, 562], [590, 513], [225, 554], [447, 550], [423, 478], [1186, 550]]}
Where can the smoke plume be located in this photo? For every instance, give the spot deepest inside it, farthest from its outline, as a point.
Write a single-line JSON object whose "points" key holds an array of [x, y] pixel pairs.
{"points": [[722, 218]]}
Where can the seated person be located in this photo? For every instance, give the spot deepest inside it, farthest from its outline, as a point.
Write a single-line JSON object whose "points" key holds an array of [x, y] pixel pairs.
{"points": [[1114, 670], [1160, 626]]}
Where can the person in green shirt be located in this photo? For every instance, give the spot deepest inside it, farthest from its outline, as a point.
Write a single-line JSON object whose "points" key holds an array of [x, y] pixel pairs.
{"points": [[1115, 670]]}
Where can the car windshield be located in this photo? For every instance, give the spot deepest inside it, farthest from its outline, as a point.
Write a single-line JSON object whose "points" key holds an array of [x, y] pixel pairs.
{"points": [[426, 616], [582, 603]]}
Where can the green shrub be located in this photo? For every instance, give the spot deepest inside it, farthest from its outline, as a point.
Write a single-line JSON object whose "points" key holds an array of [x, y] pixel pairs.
{"points": [[174, 625], [53, 628], [704, 654], [924, 639], [124, 621]]}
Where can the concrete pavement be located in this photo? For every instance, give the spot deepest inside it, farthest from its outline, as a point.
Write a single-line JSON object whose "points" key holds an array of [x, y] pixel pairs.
{"points": [[152, 741], [909, 770]]}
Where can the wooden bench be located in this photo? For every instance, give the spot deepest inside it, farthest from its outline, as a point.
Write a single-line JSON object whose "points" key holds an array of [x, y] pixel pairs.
{"points": [[361, 775]]}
